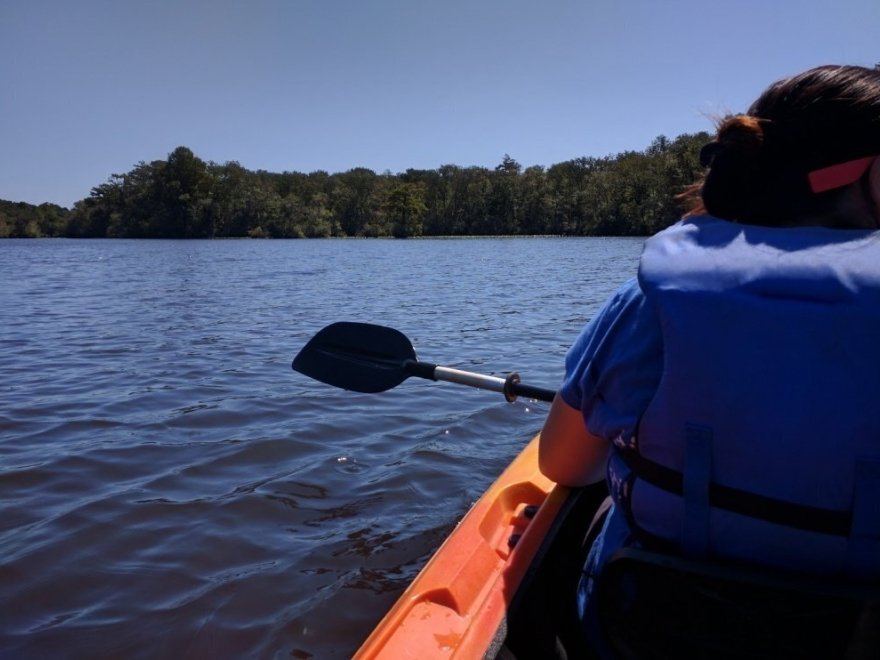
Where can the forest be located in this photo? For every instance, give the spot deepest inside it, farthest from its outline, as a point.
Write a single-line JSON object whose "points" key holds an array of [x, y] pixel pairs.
{"points": [[628, 194]]}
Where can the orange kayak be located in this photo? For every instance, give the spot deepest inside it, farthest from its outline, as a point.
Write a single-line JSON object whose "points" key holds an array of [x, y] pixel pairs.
{"points": [[502, 579], [456, 607]]}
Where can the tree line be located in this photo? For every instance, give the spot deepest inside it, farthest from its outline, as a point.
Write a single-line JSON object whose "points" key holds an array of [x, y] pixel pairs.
{"points": [[628, 194]]}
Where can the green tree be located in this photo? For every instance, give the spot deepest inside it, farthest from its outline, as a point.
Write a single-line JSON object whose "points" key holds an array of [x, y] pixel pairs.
{"points": [[502, 207], [355, 200], [182, 190], [536, 203], [404, 208], [317, 219]]}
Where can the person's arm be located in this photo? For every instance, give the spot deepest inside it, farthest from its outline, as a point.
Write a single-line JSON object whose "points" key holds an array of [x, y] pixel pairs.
{"points": [[567, 452]]}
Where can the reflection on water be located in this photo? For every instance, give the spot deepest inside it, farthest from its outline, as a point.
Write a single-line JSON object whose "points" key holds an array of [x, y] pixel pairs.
{"points": [[171, 488]]}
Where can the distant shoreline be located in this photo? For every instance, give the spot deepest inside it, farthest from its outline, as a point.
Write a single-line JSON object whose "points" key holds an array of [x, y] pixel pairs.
{"points": [[183, 197]]}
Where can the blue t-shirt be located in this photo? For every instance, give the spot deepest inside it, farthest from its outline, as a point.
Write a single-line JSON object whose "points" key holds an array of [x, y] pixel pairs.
{"points": [[612, 373], [613, 369]]}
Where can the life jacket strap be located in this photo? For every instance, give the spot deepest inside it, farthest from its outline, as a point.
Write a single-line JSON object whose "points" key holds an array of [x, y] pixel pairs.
{"points": [[780, 512], [696, 481]]}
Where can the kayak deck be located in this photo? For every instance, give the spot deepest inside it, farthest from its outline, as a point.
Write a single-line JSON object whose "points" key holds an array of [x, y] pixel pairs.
{"points": [[457, 605]]}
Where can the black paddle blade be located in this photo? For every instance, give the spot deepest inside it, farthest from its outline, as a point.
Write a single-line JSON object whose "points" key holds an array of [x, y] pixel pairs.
{"points": [[360, 357]]}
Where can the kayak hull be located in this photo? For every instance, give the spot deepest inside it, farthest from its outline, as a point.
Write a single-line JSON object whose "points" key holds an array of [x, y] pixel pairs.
{"points": [[456, 606]]}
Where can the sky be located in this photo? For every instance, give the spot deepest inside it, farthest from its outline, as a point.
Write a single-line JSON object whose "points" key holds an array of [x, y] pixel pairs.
{"points": [[89, 88]]}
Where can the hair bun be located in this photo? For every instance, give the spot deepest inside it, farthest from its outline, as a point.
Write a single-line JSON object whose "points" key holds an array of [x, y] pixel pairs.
{"points": [[737, 166], [739, 138], [742, 133]]}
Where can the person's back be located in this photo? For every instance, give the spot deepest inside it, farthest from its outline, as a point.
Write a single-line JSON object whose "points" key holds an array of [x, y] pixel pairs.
{"points": [[736, 379], [770, 371]]}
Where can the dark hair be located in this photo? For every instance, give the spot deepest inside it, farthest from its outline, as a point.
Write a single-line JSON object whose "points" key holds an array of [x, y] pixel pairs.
{"points": [[759, 162]]}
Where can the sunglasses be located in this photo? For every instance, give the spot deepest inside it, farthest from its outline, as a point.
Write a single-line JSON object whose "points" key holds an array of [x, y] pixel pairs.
{"points": [[840, 175]]}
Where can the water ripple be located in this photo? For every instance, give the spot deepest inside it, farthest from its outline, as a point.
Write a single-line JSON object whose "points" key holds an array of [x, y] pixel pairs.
{"points": [[170, 488]]}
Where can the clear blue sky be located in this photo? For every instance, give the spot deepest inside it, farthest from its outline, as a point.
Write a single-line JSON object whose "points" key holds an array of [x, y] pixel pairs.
{"points": [[92, 87]]}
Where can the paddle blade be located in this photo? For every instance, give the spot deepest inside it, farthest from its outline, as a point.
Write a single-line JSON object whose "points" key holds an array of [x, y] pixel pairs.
{"points": [[360, 357]]}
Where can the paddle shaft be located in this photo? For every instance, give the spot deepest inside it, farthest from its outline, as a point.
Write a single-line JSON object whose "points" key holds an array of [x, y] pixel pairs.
{"points": [[363, 357], [510, 387]]}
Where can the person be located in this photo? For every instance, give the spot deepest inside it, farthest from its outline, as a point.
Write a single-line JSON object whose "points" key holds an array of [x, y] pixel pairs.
{"points": [[728, 394]]}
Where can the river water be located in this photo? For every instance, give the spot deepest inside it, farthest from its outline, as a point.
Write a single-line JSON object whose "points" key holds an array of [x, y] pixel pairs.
{"points": [[169, 487]]}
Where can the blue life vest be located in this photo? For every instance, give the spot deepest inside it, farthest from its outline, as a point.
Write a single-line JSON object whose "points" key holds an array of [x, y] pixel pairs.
{"points": [[762, 442]]}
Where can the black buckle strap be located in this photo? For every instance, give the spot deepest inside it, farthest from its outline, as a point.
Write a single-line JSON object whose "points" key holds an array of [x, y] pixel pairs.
{"points": [[780, 512]]}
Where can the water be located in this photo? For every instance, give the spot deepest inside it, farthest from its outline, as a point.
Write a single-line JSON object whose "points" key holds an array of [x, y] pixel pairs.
{"points": [[170, 488]]}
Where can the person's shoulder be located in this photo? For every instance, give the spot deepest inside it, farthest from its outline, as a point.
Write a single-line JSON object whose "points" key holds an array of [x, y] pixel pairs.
{"points": [[627, 294], [625, 311]]}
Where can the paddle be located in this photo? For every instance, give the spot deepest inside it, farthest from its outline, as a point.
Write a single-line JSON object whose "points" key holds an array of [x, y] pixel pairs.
{"points": [[363, 357]]}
